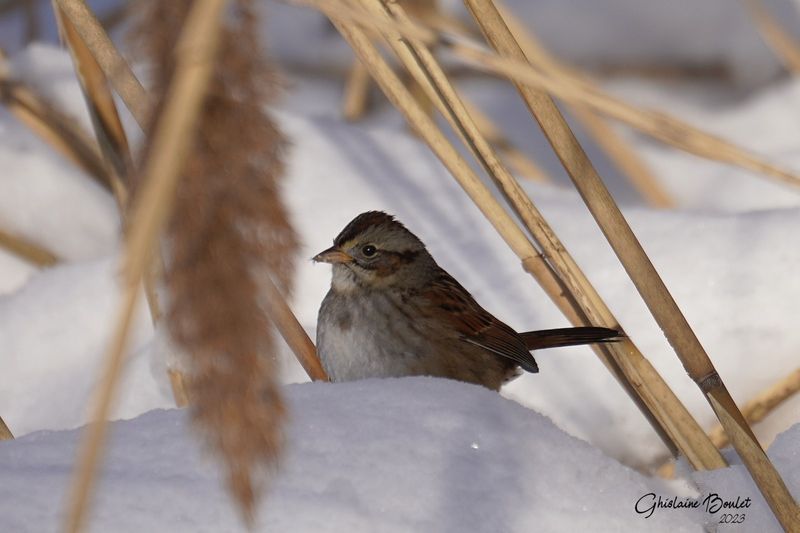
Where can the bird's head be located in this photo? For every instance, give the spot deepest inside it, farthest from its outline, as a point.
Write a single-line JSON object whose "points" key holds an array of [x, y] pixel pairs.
{"points": [[375, 251]]}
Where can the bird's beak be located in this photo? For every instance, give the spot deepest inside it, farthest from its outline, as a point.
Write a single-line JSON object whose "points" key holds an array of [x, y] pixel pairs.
{"points": [[333, 256]]}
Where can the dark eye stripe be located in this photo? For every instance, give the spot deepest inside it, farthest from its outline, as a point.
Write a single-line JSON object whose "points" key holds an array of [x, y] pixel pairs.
{"points": [[403, 257]]}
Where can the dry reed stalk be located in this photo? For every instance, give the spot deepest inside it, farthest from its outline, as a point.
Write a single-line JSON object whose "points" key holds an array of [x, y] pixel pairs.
{"points": [[356, 92], [641, 381], [764, 403], [519, 161], [5, 433], [644, 276], [461, 170], [33, 253], [655, 124], [618, 150], [114, 66], [356, 89], [171, 142], [95, 433], [780, 42], [55, 128], [423, 11], [292, 331], [177, 383], [658, 125], [105, 120], [624, 156]]}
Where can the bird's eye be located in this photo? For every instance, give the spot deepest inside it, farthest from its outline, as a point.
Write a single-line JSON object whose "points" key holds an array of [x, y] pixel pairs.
{"points": [[369, 250]]}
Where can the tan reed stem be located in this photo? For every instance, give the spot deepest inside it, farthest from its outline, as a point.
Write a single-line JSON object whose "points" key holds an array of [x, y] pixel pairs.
{"points": [[171, 141], [519, 161], [617, 149], [33, 253], [55, 128], [106, 123], [114, 66], [762, 405], [178, 385], [356, 92], [5, 433], [94, 439], [658, 125], [523, 164], [584, 304], [292, 331], [514, 157], [780, 42], [644, 276]]}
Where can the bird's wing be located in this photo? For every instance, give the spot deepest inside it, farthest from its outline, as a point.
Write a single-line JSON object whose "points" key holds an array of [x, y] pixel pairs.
{"points": [[448, 301]]}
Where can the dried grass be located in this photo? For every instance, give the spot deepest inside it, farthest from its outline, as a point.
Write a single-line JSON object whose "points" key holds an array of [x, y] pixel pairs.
{"points": [[762, 405], [356, 92], [54, 127], [106, 123], [778, 39], [27, 250], [619, 151], [5, 433], [112, 63], [228, 231]]}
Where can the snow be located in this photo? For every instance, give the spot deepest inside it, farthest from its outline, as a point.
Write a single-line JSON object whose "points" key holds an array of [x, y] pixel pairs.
{"points": [[400, 455], [734, 481], [411, 454]]}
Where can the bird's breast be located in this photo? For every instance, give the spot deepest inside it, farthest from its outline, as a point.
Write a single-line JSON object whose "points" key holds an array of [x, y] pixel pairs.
{"points": [[369, 335]]}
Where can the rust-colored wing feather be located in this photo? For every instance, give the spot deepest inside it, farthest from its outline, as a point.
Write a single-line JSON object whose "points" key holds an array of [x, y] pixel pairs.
{"points": [[447, 300]]}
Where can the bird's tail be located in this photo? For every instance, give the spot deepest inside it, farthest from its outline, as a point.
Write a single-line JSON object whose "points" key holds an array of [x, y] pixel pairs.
{"points": [[553, 338]]}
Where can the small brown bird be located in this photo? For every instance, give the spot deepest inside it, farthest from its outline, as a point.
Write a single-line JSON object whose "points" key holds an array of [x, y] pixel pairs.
{"points": [[392, 311]]}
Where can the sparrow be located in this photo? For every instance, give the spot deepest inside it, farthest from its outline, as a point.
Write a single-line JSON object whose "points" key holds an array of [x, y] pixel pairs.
{"points": [[393, 311]]}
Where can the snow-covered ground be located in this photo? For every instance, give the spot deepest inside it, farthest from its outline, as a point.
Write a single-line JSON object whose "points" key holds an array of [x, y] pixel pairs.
{"points": [[362, 455]]}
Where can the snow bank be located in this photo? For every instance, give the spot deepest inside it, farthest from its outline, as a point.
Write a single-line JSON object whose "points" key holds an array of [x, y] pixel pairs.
{"points": [[401, 455], [54, 335]]}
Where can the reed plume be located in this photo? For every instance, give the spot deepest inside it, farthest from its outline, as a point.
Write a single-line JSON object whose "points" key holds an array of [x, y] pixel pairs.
{"points": [[228, 230]]}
